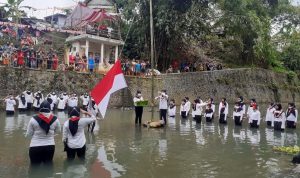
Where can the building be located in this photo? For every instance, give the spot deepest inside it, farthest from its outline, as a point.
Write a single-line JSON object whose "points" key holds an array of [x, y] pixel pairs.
{"points": [[56, 20], [103, 43]]}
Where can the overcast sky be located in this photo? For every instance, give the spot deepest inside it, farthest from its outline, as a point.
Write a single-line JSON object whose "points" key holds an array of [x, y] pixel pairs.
{"points": [[45, 6]]}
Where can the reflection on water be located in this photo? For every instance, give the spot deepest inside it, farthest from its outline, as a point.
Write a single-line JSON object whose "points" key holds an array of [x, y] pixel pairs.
{"points": [[183, 148]]}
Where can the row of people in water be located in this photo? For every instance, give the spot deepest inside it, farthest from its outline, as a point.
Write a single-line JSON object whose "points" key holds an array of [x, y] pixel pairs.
{"points": [[27, 101], [276, 117]]}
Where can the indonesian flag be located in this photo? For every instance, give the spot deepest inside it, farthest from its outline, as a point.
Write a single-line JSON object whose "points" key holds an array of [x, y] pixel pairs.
{"points": [[112, 82]]}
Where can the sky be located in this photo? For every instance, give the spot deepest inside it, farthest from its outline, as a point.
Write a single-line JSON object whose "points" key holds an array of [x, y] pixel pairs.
{"points": [[46, 6]]}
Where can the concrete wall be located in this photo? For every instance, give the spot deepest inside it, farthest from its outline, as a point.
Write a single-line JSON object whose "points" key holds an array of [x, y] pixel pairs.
{"points": [[261, 84]]}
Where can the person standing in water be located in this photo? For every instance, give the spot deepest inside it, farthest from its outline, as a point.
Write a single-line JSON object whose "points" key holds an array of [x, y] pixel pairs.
{"points": [[223, 111], [73, 133], [85, 98], [270, 115], [42, 128], [197, 107], [172, 109], [209, 113], [38, 99], [291, 116], [22, 103], [10, 103], [138, 109], [279, 118], [254, 116], [183, 109], [238, 114], [29, 99], [188, 106], [163, 105]]}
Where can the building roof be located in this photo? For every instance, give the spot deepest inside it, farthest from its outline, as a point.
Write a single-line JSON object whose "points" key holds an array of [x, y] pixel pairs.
{"points": [[98, 2], [56, 15]]}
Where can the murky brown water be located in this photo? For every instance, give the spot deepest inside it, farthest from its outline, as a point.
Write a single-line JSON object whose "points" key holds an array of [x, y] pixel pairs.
{"points": [[181, 150]]}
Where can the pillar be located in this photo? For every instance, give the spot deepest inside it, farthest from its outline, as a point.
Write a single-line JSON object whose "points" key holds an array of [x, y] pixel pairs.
{"points": [[102, 53], [116, 53], [87, 46]]}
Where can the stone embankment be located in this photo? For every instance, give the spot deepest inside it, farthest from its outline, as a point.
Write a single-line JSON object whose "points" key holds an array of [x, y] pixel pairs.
{"points": [[264, 85]]}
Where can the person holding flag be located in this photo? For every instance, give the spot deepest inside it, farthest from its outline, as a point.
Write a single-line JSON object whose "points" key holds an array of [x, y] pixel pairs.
{"points": [[163, 105], [112, 82]]}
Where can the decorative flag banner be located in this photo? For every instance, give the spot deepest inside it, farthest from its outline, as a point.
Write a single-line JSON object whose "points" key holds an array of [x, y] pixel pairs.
{"points": [[112, 82]]}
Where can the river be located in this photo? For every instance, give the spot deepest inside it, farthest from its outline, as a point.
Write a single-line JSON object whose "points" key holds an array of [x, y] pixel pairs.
{"points": [[183, 149]]}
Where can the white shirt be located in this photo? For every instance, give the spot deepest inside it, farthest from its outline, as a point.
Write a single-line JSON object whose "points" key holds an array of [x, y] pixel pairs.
{"points": [[85, 100], [235, 113], [136, 99], [209, 114], [281, 118], [199, 109], [54, 98], [73, 102], [61, 103], [270, 115], [21, 105], [163, 101], [183, 108], [225, 108], [291, 117], [188, 106], [213, 107], [254, 116], [28, 97], [39, 136], [10, 104], [78, 140], [172, 111], [35, 102], [66, 97]]}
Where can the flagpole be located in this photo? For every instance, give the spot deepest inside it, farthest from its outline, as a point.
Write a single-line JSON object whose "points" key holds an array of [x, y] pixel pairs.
{"points": [[152, 60]]}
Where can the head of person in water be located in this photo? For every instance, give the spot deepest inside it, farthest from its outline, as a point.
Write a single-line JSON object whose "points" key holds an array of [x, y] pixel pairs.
{"points": [[39, 92], [11, 96], [183, 101], [163, 92], [85, 95], [172, 102], [237, 104], [187, 99], [65, 93], [271, 105], [291, 105], [223, 100], [209, 106], [240, 99], [278, 107], [45, 107], [53, 93], [75, 112], [210, 100], [252, 101], [197, 101], [138, 94]]}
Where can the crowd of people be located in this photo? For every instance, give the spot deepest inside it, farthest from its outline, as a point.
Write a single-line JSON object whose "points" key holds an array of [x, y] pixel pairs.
{"points": [[194, 66], [276, 116]]}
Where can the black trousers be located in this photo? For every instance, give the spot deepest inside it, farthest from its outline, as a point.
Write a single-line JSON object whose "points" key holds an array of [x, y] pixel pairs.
{"points": [[290, 124], [163, 115], [138, 114], [72, 152], [254, 124], [209, 119], [269, 123], [198, 119], [10, 113], [41, 154], [237, 120], [22, 109], [277, 126], [29, 105], [222, 119], [91, 126], [183, 114]]}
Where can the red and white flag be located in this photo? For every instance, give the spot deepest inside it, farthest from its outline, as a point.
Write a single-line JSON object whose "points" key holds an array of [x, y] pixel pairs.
{"points": [[112, 82]]}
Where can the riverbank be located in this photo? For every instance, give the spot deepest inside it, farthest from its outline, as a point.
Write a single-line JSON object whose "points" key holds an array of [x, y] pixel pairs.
{"points": [[264, 85]]}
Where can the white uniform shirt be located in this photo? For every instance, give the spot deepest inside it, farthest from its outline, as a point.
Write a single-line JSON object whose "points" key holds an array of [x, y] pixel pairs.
{"points": [[85, 100], [78, 140], [188, 106], [39, 136], [281, 118], [270, 115], [254, 116], [21, 105], [35, 102], [136, 99], [183, 108], [199, 109], [172, 111], [213, 107], [28, 97], [54, 98], [235, 113], [163, 101], [10, 104], [66, 97], [73, 102], [225, 108], [61, 103], [291, 117]]}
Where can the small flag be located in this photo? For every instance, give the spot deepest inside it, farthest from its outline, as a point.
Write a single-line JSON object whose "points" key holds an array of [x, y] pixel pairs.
{"points": [[112, 82]]}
